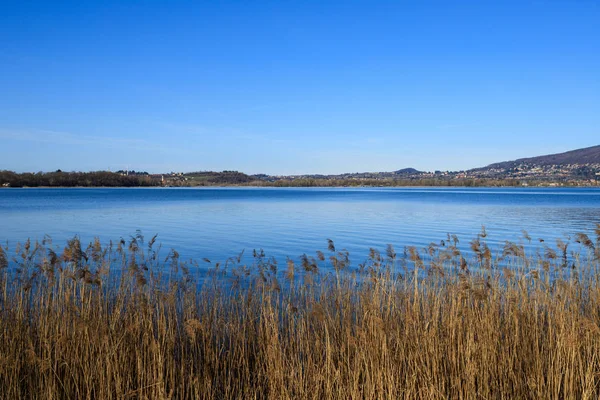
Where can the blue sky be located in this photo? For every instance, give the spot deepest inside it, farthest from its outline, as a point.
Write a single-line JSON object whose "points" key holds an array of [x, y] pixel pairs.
{"points": [[291, 87]]}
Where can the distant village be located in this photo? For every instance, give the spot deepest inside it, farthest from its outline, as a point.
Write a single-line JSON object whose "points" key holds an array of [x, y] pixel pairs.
{"points": [[522, 174], [561, 172], [514, 173]]}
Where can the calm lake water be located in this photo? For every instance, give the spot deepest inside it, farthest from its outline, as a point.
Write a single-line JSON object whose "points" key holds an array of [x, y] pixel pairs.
{"points": [[220, 222]]}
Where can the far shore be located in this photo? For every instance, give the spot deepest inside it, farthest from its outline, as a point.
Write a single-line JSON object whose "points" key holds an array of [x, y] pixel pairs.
{"points": [[274, 186]]}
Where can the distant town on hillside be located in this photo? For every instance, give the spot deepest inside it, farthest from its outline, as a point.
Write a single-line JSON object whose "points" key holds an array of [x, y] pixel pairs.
{"points": [[572, 168]]}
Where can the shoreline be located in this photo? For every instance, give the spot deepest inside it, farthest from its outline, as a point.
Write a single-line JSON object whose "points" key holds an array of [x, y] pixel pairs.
{"points": [[314, 186]]}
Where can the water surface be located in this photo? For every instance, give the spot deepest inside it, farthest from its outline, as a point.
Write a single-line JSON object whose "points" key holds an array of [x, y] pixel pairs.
{"points": [[217, 223]]}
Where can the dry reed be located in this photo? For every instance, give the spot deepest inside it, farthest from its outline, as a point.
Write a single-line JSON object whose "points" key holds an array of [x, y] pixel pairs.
{"points": [[118, 322]]}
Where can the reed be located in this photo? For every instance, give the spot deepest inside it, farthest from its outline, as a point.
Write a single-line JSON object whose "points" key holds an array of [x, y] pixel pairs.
{"points": [[120, 321]]}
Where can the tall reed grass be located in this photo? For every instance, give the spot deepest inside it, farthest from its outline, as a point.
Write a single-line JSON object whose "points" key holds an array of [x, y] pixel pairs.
{"points": [[120, 322]]}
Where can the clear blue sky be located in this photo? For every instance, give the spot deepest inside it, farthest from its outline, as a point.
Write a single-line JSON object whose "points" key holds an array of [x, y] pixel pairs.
{"points": [[290, 87]]}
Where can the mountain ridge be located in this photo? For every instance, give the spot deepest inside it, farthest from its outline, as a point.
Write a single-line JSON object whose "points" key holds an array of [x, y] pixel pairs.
{"points": [[586, 155]]}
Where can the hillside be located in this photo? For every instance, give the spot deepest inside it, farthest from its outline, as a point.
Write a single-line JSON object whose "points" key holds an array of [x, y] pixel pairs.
{"points": [[588, 155], [407, 171], [572, 167]]}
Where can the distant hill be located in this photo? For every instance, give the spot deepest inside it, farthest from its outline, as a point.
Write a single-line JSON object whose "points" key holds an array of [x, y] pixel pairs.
{"points": [[407, 171], [588, 155], [215, 178]]}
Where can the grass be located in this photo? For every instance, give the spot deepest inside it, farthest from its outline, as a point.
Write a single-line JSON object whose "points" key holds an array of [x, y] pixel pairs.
{"points": [[118, 322]]}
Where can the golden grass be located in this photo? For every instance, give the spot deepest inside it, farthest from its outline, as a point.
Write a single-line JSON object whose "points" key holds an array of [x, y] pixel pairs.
{"points": [[115, 323]]}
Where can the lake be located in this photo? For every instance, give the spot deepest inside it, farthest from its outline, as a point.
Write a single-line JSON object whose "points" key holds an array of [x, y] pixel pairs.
{"points": [[217, 223]]}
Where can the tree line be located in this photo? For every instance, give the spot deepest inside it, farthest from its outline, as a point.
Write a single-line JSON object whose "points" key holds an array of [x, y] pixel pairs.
{"points": [[235, 178], [74, 179]]}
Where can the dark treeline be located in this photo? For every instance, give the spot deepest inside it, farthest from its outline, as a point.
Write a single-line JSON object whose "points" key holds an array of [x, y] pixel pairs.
{"points": [[218, 178], [73, 179]]}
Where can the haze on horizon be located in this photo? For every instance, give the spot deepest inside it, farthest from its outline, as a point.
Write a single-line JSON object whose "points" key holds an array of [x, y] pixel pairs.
{"points": [[295, 87]]}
